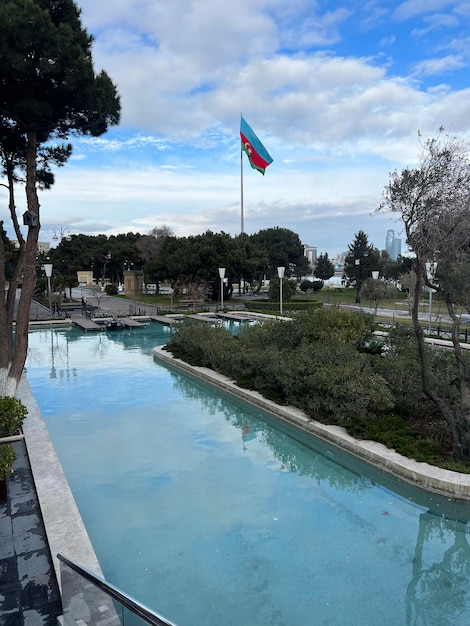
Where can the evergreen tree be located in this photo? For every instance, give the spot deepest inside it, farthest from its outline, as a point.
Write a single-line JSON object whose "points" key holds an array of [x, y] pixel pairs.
{"points": [[361, 260], [324, 268], [48, 91]]}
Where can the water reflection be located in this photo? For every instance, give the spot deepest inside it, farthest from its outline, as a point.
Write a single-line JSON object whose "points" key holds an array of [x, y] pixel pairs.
{"points": [[438, 592], [140, 339], [289, 451], [247, 434], [58, 353]]}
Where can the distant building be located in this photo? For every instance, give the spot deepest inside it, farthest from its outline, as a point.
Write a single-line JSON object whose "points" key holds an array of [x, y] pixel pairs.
{"points": [[339, 259], [311, 253], [43, 246], [392, 245]]}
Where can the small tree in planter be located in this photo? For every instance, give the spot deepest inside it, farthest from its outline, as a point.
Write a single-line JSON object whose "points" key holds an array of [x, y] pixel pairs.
{"points": [[12, 415]]}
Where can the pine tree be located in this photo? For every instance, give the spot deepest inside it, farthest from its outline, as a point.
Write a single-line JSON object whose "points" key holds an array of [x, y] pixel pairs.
{"points": [[48, 91], [324, 268]]}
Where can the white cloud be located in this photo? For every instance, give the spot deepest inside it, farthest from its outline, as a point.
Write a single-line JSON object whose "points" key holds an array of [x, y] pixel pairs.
{"points": [[122, 143], [430, 67], [334, 111], [411, 8]]}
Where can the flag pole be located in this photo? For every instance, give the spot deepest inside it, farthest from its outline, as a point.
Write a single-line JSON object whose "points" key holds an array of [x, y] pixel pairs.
{"points": [[241, 190], [241, 186]]}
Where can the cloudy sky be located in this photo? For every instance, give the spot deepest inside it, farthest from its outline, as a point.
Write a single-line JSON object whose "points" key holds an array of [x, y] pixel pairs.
{"points": [[336, 91]]}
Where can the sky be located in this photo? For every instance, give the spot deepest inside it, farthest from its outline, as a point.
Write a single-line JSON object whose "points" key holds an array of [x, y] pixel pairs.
{"points": [[339, 93]]}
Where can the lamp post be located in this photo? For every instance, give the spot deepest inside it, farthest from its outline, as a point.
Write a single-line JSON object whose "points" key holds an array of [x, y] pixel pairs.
{"points": [[357, 262], [280, 273], [431, 267], [48, 270], [61, 233], [222, 276]]}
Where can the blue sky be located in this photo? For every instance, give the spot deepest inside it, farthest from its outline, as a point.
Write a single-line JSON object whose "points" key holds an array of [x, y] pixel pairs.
{"points": [[337, 92]]}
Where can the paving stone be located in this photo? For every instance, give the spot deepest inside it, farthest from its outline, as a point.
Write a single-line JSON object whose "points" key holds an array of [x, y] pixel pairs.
{"points": [[8, 572], [6, 538], [29, 594], [38, 618], [9, 598], [28, 534], [32, 566]]}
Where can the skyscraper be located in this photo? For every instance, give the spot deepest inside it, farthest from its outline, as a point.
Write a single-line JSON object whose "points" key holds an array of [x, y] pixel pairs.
{"points": [[392, 245]]}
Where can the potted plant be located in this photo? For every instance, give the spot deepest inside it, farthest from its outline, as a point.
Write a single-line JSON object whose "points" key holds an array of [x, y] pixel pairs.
{"points": [[12, 415]]}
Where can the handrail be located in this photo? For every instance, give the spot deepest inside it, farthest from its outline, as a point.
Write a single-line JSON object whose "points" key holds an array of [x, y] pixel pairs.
{"points": [[135, 607]]}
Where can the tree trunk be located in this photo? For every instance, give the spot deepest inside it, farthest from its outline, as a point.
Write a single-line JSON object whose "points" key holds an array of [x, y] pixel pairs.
{"points": [[461, 418], [461, 433], [457, 417], [423, 360], [7, 306], [10, 373]]}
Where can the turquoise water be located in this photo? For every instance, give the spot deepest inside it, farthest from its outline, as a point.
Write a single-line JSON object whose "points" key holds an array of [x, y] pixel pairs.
{"points": [[212, 513]]}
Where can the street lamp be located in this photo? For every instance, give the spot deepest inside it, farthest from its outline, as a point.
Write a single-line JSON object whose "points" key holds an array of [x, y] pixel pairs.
{"points": [[431, 268], [48, 270], [280, 273], [61, 233], [357, 263], [222, 276]]}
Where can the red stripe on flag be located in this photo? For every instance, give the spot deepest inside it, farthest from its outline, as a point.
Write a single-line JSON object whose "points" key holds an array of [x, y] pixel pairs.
{"points": [[254, 157]]}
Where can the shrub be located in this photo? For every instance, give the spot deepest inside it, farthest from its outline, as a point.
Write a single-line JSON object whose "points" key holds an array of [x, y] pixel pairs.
{"points": [[311, 362], [306, 285], [399, 366], [12, 414], [338, 325], [111, 290], [311, 285], [201, 345], [7, 458], [289, 288], [334, 379]]}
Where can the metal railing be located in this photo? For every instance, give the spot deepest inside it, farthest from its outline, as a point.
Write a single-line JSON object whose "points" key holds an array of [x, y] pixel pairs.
{"points": [[85, 595]]}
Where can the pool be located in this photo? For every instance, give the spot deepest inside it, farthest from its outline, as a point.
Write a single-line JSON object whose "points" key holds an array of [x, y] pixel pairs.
{"points": [[213, 513]]}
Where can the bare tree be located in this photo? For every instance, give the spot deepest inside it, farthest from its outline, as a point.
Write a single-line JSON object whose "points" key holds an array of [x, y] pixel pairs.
{"points": [[433, 200], [376, 291], [149, 246]]}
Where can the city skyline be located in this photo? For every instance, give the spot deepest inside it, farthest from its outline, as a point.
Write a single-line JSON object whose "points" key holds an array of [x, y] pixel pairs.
{"points": [[336, 95]]}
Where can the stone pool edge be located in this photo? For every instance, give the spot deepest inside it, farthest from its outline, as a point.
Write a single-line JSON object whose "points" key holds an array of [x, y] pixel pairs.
{"points": [[65, 530], [432, 479]]}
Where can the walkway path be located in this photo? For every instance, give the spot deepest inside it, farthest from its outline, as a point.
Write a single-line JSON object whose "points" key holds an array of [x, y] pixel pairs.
{"points": [[29, 594]]}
